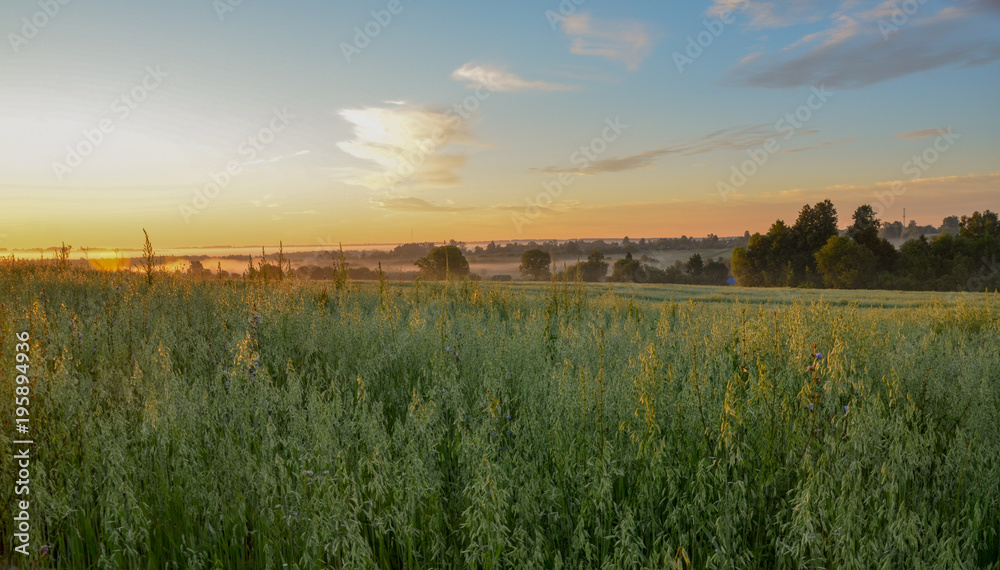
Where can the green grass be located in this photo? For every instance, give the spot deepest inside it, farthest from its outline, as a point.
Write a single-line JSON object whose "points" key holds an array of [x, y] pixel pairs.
{"points": [[230, 425]]}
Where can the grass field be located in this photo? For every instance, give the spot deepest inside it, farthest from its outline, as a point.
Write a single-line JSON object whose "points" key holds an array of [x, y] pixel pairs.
{"points": [[222, 424]]}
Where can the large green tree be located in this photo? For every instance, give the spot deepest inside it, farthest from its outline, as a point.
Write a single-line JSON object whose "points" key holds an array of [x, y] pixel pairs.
{"points": [[844, 263], [812, 230]]}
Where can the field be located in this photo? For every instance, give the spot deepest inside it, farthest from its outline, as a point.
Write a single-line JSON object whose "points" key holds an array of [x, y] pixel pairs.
{"points": [[223, 424]]}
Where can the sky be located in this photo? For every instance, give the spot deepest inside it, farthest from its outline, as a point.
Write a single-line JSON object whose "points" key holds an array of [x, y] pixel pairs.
{"points": [[244, 122]]}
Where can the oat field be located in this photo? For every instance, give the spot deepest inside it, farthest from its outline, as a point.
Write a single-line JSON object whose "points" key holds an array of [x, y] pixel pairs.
{"points": [[225, 424]]}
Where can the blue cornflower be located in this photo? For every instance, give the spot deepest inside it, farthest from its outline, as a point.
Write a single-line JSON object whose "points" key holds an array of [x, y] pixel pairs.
{"points": [[819, 356], [810, 406]]}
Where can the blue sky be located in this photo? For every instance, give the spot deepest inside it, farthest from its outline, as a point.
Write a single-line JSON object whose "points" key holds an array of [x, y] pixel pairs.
{"points": [[324, 148]]}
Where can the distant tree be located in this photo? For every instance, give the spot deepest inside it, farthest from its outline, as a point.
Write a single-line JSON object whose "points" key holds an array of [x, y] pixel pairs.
{"points": [[892, 230], [595, 268], [535, 264], [865, 228], [626, 270], [979, 225], [592, 270], [695, 265], [446, 260], [844, 263], [950, 225], [865, 232], [196, 269], [715, 273]]}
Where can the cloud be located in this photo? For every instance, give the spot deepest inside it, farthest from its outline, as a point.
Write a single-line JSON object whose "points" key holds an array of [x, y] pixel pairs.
{"points": [[772, 14], [627, 41], [817, 145], [413, 204], [978, 186], [867, 43], [556, 207], [406, 143], [731, 139], [923, 134], [498, 79]]}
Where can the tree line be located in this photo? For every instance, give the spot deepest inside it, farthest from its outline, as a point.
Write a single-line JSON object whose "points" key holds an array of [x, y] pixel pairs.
{"points": [[814, 253]]}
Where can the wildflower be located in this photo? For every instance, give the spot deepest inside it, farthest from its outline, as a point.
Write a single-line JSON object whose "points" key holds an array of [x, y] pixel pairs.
{"points": [[810, 406], [278, 506], [508, 416], [308, 473], [847, 409], [810, 368], [95, 351], [819, 356]]}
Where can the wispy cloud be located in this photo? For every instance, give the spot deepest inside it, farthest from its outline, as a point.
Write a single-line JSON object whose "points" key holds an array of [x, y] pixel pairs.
{"points": [[817, 145], [554, 206], [772, 14], [922, 134], [414, 204], [731, 139], [927, 189], [627, 41], [861, 46], [405, 143], [498, 79]]}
